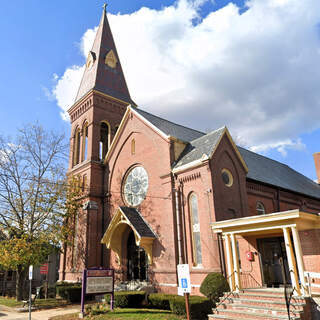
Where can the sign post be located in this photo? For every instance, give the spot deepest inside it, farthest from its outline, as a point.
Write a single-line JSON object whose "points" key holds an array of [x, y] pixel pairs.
{"points": [[30, 289], [97, 281], [184, 284]]}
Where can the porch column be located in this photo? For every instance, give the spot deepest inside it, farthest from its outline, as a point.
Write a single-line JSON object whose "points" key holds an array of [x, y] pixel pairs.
{"points": [[236, 268], [300, 263], [291, 261], [229, 263]]}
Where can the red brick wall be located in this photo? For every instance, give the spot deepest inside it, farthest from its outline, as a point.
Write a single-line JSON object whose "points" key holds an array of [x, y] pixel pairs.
{"points": [[230, 202]]}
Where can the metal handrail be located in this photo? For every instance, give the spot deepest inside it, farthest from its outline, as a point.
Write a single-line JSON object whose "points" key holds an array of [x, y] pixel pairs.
{"points": [[228, 295], [288, 298]]}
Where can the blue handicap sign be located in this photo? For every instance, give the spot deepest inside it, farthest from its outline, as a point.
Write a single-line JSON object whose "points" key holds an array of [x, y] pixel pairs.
{"points": [[184, 283]]}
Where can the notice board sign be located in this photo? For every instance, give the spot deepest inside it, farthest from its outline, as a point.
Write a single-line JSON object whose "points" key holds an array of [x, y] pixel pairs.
{"points": [[97, 281]]}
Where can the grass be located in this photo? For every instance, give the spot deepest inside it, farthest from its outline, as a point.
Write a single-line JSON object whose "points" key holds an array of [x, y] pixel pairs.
{"points": [[39, 303], [10, 302], [126, 313]]}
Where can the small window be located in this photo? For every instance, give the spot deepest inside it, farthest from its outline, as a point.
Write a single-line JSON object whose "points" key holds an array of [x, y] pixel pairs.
{"points": [[104, 140], [85, 142], [260, 208], [226, 177], [133, 147]]}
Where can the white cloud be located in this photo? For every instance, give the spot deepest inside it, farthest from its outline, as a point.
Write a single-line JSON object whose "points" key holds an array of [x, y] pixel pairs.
{"points": [[257, 72]]}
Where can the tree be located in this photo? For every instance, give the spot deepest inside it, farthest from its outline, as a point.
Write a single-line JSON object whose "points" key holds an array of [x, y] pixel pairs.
{"points": [[36, 202]]}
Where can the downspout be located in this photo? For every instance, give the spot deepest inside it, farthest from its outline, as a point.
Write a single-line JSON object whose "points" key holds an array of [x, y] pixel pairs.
{"points": [[184, 239], [178, 227], [102, 215]]}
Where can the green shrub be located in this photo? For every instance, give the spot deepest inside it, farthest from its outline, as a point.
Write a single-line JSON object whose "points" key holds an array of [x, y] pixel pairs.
{"points": [[214, 285], [160, 300], [71, 292], [200, 307], [127, 299]]}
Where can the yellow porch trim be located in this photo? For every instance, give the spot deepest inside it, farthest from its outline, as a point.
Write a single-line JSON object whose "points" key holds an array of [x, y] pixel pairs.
{"points": [[268, 223], [286, 223], [114, 235]]}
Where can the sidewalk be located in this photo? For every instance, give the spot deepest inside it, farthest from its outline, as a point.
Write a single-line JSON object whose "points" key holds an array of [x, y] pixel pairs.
{"points": [[11, 314]]}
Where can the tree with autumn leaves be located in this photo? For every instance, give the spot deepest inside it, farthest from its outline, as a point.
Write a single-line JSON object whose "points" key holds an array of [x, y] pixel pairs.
{"points": [[37, 203]]}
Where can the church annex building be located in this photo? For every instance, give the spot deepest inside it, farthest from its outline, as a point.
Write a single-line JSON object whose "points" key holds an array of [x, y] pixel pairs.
{"points": [[158, 194]]}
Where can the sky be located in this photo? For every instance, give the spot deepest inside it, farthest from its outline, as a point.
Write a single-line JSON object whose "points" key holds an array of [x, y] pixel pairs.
{"points": [[251, 65]]}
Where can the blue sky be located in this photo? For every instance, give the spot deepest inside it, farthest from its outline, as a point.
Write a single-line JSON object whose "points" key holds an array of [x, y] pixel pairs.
{"points": [[260, 81]]}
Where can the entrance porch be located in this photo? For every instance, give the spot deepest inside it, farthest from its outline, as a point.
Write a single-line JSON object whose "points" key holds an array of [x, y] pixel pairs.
{"points": [[274, 248]]}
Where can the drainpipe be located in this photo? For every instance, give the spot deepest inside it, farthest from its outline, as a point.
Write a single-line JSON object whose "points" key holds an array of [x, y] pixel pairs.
{"points": [[102, 215], [178, 226], [183, 218]]}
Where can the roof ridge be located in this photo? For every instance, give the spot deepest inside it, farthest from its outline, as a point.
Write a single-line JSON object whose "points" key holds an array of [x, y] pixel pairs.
{"points": [[177, 124], [209, 133]]}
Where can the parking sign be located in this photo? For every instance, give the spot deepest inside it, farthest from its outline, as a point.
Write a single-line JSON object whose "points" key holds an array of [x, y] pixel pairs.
{"points": [[184, 278]]}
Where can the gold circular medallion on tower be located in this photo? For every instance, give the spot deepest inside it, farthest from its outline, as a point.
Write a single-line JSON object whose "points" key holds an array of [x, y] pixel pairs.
{"points": [[227, 177], [135, 186]]}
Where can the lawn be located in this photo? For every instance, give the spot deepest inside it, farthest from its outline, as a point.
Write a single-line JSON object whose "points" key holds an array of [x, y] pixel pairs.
{"points": [[126, 313], [39, 303]]}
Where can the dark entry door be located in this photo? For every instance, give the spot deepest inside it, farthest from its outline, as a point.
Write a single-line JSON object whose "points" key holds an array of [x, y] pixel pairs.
{"points": [[274, 261], [136, 257]]}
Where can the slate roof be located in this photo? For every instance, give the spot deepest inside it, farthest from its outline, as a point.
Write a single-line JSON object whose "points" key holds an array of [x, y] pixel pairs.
{"points": [[171, 128], [101, 77], [261, 169], [199, 147], [138, 222], [272, 172]]}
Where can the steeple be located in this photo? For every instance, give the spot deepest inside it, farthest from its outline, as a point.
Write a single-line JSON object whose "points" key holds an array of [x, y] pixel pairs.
{"points": [[103, 70]]}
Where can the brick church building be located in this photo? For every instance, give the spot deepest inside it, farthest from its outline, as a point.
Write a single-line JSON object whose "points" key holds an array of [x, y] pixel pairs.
{"points": [[158, 194]]}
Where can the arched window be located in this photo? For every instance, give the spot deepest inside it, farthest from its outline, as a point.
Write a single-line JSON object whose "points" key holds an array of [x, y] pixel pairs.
{"points": [[260, 208], [195, 224], [85, 142], [133, 146], [104, 140], [76, 147]]}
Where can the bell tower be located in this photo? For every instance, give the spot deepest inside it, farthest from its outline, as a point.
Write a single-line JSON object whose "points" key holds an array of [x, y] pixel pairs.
{"points": [[100, 104]]}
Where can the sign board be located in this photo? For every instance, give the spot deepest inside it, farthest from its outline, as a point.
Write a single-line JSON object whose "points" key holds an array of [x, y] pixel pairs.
{"points": [[30, 272], [184, 278], [97, 281], [44, 268]]}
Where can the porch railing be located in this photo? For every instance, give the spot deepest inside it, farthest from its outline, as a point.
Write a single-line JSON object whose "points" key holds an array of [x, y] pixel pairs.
{"points": [[248, 280], [310, 278]]}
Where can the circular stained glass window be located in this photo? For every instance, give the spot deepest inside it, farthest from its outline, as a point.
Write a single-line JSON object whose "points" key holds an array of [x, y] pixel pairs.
{"points": [[135, 186], [227, 177]]}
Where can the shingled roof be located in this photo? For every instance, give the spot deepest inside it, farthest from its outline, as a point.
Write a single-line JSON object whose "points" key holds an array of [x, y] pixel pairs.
{"points": [[137, 221], [275, 173], [261, 168], [170, 128], [199, 147], [99, 76]]}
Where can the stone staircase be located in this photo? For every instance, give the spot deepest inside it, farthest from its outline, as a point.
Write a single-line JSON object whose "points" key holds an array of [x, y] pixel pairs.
{"points": [[252, 304]]}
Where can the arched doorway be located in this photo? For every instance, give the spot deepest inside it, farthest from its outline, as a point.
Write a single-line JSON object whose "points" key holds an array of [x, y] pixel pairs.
{"points": [[137, 260]]}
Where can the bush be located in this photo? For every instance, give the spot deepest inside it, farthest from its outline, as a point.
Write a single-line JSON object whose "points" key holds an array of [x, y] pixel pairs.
{"points": [[214, 285], [200, 307], [70, 292], [160, 300], [127, 299]]}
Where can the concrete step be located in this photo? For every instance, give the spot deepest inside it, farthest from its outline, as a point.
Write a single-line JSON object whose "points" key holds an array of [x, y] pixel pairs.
{"points": [[237, 314], [264, 296], [259, 309], [264, 303]]}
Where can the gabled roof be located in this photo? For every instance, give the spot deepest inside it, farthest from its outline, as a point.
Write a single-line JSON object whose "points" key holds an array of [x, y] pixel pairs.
{"points": [[275, 173], [100, 76], [136, 220], [170, 128], [260, 168], [197, 148]]}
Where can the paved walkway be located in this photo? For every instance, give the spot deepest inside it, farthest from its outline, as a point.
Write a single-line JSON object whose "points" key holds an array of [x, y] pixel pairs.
{"points": [[11, 314]]}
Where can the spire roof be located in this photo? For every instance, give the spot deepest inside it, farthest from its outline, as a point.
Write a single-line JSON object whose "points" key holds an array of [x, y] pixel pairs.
{"points": [[103, 71]]}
